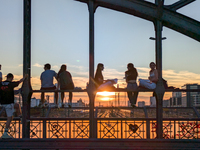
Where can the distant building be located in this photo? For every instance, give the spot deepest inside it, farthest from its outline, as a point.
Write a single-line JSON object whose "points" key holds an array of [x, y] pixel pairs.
{"points": [[192, 98], [166, 103], [141, 104], [153, 102], [185, 99], [79, 103]]}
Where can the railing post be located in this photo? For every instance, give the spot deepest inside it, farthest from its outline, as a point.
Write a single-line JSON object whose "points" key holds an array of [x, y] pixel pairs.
{"points": [[91, 86], [147, 123], [44, 129], [26, 87], [160, 90]]}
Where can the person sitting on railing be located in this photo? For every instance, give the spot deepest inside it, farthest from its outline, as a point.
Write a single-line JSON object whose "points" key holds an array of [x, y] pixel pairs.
{"points": [[100, 83], [98, 78], [65, 82], [153, 78], [7, 100], [47, 82], [131, 76]]}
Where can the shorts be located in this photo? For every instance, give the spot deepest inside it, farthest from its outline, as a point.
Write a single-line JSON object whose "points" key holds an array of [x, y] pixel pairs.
{"points": [[9, 109], [48, 88]]}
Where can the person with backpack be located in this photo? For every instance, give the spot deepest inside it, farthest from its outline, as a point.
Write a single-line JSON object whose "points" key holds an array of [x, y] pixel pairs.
{"points": [[65, 82], [7, 100]]}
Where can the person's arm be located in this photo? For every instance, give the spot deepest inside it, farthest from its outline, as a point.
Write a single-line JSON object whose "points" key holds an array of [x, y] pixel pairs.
{"points": [[56, 75], [21, 80], [58, 79]]}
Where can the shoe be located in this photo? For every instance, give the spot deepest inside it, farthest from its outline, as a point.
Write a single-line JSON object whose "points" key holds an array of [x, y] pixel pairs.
{"points": [[70, 105], [6, 136], [133, 105]]}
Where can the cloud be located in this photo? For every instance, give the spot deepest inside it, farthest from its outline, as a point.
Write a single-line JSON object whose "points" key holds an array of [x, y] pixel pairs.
{"points": [[38, 65], [20, 65]]}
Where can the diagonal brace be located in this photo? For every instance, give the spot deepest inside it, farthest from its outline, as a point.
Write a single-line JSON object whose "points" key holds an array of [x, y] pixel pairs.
{"points": [[179, 4]]}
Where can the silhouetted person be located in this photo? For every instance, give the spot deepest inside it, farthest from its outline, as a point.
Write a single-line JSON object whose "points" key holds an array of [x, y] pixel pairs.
{"points": [[65, 83], [131, 77], [98, 78], [7, 100], [153, 78], [47, 82]]}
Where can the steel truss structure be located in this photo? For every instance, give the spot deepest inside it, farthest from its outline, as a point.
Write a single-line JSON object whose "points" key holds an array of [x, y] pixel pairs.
{"points": [[160, 15]]}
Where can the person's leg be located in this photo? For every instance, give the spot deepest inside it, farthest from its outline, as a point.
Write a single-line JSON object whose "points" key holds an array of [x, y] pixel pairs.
{"points": [[130, 94], [9, 111], [9, 119], [56, 97], [70, 97], [42, 98], [62, 96], [135, 94]]}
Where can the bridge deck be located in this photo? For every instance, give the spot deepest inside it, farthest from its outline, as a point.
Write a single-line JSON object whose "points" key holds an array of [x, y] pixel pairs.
{"points": [[97, 144]]}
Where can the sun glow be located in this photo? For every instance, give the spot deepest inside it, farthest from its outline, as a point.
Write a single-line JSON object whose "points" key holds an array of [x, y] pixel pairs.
{"points": [[106, 93]]}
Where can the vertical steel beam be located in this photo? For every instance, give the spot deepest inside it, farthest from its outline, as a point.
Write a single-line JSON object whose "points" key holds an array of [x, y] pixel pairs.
{"points": [[160, 90], [91, 86], [26, 87]]}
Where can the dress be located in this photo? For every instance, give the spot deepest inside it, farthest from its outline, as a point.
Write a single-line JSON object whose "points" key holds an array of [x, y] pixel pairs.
{"points": [[147, 83]]}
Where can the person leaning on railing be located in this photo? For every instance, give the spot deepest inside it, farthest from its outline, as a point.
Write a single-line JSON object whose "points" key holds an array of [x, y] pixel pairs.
{"points": [[7, 100]]}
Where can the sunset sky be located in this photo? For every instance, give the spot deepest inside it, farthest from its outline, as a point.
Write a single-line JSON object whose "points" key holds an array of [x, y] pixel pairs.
{"points": [[60, 36]]}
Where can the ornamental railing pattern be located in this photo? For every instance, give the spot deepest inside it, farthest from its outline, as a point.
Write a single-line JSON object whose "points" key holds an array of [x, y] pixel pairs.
{"points": [[106, 128]]}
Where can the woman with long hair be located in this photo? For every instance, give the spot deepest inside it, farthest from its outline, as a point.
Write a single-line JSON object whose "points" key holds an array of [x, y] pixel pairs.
{"points": [[131, 77], [65, 82], [152, 79], [98, 78]]}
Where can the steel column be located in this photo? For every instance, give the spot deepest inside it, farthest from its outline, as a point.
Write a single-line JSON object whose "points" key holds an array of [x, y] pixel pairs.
{"points": [[91, 86], [159, 91], [26, 87]]}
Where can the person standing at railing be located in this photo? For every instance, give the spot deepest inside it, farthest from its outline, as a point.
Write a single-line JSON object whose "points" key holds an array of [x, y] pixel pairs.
{"points": [[153, 78], [47, 82], [65, 82], [7, 100], [131, 76]]}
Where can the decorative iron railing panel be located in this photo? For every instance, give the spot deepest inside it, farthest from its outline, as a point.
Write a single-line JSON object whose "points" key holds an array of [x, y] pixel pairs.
{"points": [[109, 128]]}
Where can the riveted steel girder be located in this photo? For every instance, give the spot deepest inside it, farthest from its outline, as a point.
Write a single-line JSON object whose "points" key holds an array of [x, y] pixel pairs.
{"points": [[151, 12]]}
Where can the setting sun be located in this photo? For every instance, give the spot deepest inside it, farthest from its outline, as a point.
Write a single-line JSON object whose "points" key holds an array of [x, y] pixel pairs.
{"points": [[106, 93]]}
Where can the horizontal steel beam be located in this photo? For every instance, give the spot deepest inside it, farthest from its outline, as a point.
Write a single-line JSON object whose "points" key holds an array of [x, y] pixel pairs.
{"points": [[99, 144], [179, 4], [151, 12]]}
